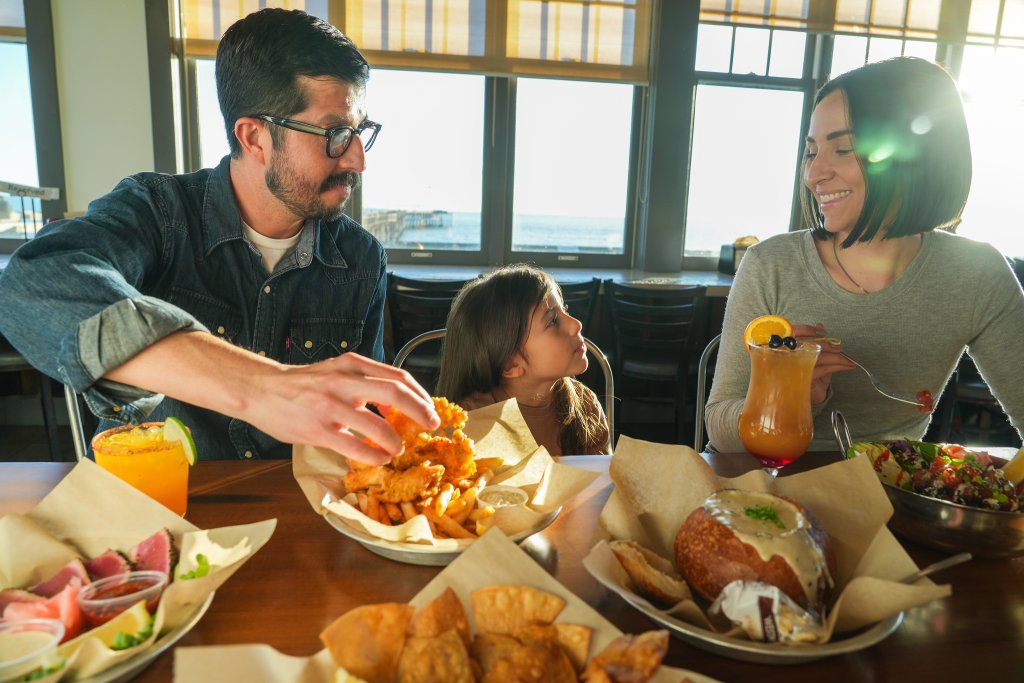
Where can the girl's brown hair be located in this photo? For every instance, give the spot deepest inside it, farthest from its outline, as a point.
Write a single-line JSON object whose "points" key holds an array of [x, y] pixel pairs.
{"points": [[487, 325]]}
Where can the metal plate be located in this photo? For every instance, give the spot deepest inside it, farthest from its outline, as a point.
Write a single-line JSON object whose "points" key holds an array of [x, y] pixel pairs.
{"points": [[421, 553], [769, 653], [130, 668]]}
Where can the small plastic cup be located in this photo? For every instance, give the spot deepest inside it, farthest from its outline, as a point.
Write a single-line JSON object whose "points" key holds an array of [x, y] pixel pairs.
{"points": [[26, 645], [500, 496], [101, 601]]}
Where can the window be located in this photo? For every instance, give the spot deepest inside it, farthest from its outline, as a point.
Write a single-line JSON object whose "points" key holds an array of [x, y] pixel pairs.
{"points": [[423, 184], [213, 141], [571, 166], [743, 168], [20, 217]]}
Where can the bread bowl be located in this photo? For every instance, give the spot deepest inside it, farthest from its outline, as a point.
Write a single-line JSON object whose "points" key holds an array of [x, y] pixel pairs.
{"points": [[756, 536]]}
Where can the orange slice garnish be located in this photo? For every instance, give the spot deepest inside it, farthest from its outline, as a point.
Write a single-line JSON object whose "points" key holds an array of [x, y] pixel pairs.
{"points": [[760, 329]]}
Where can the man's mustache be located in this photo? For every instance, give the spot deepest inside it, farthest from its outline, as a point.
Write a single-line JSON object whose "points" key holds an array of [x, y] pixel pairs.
{"points": [[350, 178]]}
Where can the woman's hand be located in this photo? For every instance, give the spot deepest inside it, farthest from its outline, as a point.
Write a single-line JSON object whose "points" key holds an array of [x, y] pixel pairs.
{"points": [[830, 360]]}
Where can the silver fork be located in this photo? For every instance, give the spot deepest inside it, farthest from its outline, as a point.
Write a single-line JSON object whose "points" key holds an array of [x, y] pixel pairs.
{"points": [[881, 388]]}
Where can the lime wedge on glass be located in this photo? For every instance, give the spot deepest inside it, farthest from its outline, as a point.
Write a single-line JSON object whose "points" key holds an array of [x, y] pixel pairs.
{"points": [[175, 430]]}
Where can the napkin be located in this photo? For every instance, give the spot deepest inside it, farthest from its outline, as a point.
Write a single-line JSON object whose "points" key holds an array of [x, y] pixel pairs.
{"points": [[492, 560], [498, 430], [91, 510], [658, 485]]}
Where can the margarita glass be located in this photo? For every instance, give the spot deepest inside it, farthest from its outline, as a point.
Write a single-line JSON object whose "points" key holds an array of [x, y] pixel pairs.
{"points": [[776, 424], [142, 457]]}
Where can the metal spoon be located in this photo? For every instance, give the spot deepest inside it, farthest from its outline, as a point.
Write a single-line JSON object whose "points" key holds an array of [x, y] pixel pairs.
{"points": [[937, 566]]}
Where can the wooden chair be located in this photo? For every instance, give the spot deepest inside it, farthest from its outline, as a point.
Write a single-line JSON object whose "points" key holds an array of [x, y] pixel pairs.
{"points": [[418, 306], [657, 332], [436, 336]]}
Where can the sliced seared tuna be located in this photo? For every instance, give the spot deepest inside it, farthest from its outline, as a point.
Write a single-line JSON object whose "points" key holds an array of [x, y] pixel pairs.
{"points": [[61, 606], [156, 552], [110, 563], [11, 595], [73, 570]]}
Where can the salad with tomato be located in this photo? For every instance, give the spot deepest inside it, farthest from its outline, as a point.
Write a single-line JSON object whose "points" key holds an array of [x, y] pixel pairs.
{"points": [[944, 471]]}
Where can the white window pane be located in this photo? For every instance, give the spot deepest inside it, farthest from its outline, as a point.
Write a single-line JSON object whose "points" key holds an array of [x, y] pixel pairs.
{"points": [[994, 108], [714, 43], [571, 170], [213, 137], [848, 53], [920, 48], [788, 54], [743, 167], [422, 186], [18, 218], [751, 53], [884, 48]]}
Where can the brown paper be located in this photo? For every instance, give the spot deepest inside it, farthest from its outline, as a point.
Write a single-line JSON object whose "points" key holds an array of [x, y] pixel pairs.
{"points": [[498, 430], [492, 560], [657, 486], [91, 510]]}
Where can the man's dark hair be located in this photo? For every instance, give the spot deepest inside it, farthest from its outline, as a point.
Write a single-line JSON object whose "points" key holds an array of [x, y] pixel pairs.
{"points": [[910, 137], [261, 56]]}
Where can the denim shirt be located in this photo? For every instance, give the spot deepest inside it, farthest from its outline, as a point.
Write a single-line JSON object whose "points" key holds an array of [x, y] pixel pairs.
{"points": [[166, 253]]}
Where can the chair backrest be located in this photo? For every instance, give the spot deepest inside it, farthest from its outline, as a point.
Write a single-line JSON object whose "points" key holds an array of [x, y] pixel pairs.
{"points": [[595, 352], [668, 321], [417, 306], [580, 298], [703, 368]]}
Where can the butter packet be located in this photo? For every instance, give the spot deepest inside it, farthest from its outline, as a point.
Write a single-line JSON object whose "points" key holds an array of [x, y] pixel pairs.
{"points": [[767, 614]]}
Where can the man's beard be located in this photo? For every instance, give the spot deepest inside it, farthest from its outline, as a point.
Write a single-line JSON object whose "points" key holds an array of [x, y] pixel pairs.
{"points": [[300, 196]]}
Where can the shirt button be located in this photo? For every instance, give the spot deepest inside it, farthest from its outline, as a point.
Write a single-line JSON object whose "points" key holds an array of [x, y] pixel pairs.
{"points": [[261, 353], [247, 455], [116, 409], [304, 256], [308, 344], [220, 330], [344, 344], [266, 290]]}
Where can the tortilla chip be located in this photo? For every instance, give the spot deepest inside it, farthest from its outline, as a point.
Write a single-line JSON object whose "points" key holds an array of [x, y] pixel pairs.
{"points": [[506, 609], [572, 638], [628, 659], [443, 613], [653, 576], [488, 648], [439, 658], [367, 641], [542, 661]]}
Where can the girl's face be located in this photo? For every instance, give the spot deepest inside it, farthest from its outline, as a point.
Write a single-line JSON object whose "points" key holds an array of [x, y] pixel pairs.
{"points": [[554, 346], [831, 170]]}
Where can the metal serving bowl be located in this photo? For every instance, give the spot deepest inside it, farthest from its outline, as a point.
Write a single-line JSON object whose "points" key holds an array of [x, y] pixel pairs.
{"points": [[944, 525]]}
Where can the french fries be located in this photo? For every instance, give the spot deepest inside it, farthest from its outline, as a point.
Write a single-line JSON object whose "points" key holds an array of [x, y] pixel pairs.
{"points": [[435, 475]]}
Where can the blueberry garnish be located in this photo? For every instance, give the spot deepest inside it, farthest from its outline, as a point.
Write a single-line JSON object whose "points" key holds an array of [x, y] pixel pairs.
{"points": [[789, 342], [774, 341]]}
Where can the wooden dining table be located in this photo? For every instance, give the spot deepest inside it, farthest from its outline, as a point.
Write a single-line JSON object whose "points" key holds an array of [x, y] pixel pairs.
{"points": [[309, 573]]}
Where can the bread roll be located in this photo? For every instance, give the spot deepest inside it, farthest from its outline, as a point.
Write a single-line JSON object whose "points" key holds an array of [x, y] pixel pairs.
{"points": [[756, 536]]}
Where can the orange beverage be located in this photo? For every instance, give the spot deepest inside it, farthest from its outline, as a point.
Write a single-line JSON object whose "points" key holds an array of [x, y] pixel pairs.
{"points": [[776, 424], [140, 456]]}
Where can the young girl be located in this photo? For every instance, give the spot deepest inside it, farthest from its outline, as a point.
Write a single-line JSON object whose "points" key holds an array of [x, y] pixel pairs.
{"points": [[509, 336]]}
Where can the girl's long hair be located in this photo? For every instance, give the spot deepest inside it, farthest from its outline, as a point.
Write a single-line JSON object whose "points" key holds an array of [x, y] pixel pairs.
{"points": [[487, 325]]}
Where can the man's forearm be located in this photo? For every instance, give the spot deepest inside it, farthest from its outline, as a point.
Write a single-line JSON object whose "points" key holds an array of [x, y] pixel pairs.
{"points": [[200, 369]]}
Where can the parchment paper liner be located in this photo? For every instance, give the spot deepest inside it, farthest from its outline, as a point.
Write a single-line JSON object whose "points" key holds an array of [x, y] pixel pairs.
{"points": [[658, 485], [498, 430], [491, 560], [91, 510]]}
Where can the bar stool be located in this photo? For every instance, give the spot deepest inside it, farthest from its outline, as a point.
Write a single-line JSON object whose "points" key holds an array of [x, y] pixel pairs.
{"points": [[12, 361]]}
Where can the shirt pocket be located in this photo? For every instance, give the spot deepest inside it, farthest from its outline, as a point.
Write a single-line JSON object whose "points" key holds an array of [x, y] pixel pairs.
{"points": [[219, 318], [315, 340]]}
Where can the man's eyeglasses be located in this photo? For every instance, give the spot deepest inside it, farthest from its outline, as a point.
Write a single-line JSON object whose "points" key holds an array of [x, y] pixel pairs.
{"points": [[338, 138]]}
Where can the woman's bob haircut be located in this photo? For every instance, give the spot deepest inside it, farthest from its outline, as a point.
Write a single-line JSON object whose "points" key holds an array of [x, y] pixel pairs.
{"points": [[910, 138]]}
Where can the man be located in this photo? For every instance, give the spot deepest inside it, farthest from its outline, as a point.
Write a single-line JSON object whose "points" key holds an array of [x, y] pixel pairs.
{"points": [[240, 293]]}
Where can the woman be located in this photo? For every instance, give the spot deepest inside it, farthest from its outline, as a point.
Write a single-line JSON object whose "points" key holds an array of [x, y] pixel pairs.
{"points": [[886, 173]]}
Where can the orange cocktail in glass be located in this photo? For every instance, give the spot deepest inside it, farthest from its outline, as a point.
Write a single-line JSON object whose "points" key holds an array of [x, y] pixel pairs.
{"points": [[776, 424], [142, 457]]}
